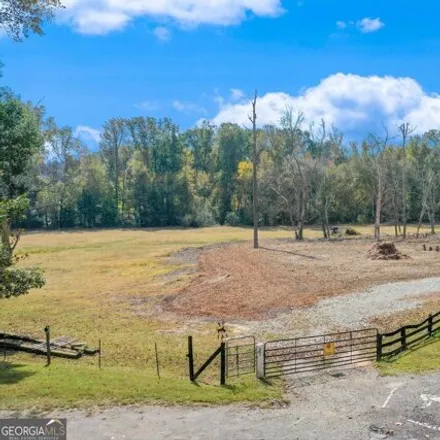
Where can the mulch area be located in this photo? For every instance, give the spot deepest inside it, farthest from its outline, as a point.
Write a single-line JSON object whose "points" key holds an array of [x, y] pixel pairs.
{"points": [[237, 281]]}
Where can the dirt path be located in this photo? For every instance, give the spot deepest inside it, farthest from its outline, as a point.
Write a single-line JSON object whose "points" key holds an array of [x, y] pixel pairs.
{"points": [[324, 407]]}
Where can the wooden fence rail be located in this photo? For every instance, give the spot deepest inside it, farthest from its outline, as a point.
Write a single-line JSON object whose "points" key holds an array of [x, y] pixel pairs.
{"points": [[392, 343]]}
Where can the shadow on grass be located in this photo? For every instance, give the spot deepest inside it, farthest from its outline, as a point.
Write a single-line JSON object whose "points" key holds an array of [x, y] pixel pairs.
{"points": [[391, 360], [289, 252], [12, 373]]}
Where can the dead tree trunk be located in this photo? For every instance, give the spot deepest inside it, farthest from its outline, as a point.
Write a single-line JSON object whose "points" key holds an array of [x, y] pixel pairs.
{"points": [[426, 192], [302, 213], [378, 210], [327, 206], [431, 210], [405, 130], [396, 216], [253, 119], [324, 230], [379, 147]]}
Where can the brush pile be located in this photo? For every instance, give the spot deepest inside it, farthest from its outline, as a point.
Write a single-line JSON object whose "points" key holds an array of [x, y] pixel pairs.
{"points": [[385, 251]]}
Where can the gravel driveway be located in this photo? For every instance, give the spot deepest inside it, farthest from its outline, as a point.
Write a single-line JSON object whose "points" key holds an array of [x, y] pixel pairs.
{"points": [[358, 405], [351, 311]]}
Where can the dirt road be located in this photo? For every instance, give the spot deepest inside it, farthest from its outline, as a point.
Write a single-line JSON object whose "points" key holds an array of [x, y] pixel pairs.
{"points": [[323, 407]]}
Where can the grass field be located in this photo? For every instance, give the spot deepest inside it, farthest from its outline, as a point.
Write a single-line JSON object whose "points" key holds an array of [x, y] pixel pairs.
{"points": [[98, 283], [94, 282]]}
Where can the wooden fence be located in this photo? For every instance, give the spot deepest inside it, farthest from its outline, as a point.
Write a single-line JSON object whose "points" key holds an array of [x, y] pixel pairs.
{"points": [[393, 343]]}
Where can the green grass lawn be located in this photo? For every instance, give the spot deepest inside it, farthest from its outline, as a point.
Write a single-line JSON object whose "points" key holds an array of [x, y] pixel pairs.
{"points": [[420, 360], [35, 387]]}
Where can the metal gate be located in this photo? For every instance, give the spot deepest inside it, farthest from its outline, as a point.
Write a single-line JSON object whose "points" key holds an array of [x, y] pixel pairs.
{"points": [[240, 356], [313, 353]]}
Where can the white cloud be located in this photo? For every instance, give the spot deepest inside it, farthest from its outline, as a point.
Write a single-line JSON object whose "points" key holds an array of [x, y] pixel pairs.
{"points": [[96, 22], [162, 33], [368, 25], [185, 107], [355, 104], [87, 133], [104, 16], [341, 24], [237, 94], [148, 105]]}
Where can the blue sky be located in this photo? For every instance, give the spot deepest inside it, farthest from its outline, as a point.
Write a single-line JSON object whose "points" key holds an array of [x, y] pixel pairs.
{"points": [[181, 58]]}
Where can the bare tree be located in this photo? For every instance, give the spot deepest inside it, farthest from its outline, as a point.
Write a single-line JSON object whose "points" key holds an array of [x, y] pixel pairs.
{"points": [[372, 160], [253, 119], [426, 184], [395, 191], [405, 129], [432, 204], [379, 145], [295, 164], [327, 146], [425, 169]]}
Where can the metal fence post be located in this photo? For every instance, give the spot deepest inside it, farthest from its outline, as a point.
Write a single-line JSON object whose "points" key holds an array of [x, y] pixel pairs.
{"points": [[190, 359], [260, 360], [222, 364]]}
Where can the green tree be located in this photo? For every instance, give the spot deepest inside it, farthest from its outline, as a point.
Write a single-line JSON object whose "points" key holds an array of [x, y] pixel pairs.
{"points": [[233, 147], [60, 174], [112, 140], [20, 140], [200, 141]]}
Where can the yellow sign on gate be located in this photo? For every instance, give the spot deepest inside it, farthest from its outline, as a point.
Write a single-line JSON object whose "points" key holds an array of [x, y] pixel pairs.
{"points": [[329, 349]]}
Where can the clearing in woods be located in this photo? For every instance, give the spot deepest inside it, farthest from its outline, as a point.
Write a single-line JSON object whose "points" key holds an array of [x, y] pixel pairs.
{"points": [[131, 289]]}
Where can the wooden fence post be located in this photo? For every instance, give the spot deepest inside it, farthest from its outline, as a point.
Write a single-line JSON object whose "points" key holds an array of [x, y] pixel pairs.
{"points": [[379, 347], [222, 364], [190, 359], [237, 360], [403, 336], [260, 360], [49, 358], [430, 325]]}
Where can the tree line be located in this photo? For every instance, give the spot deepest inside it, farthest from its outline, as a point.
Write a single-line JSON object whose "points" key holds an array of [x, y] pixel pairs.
{"points": [[149, 173]]}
